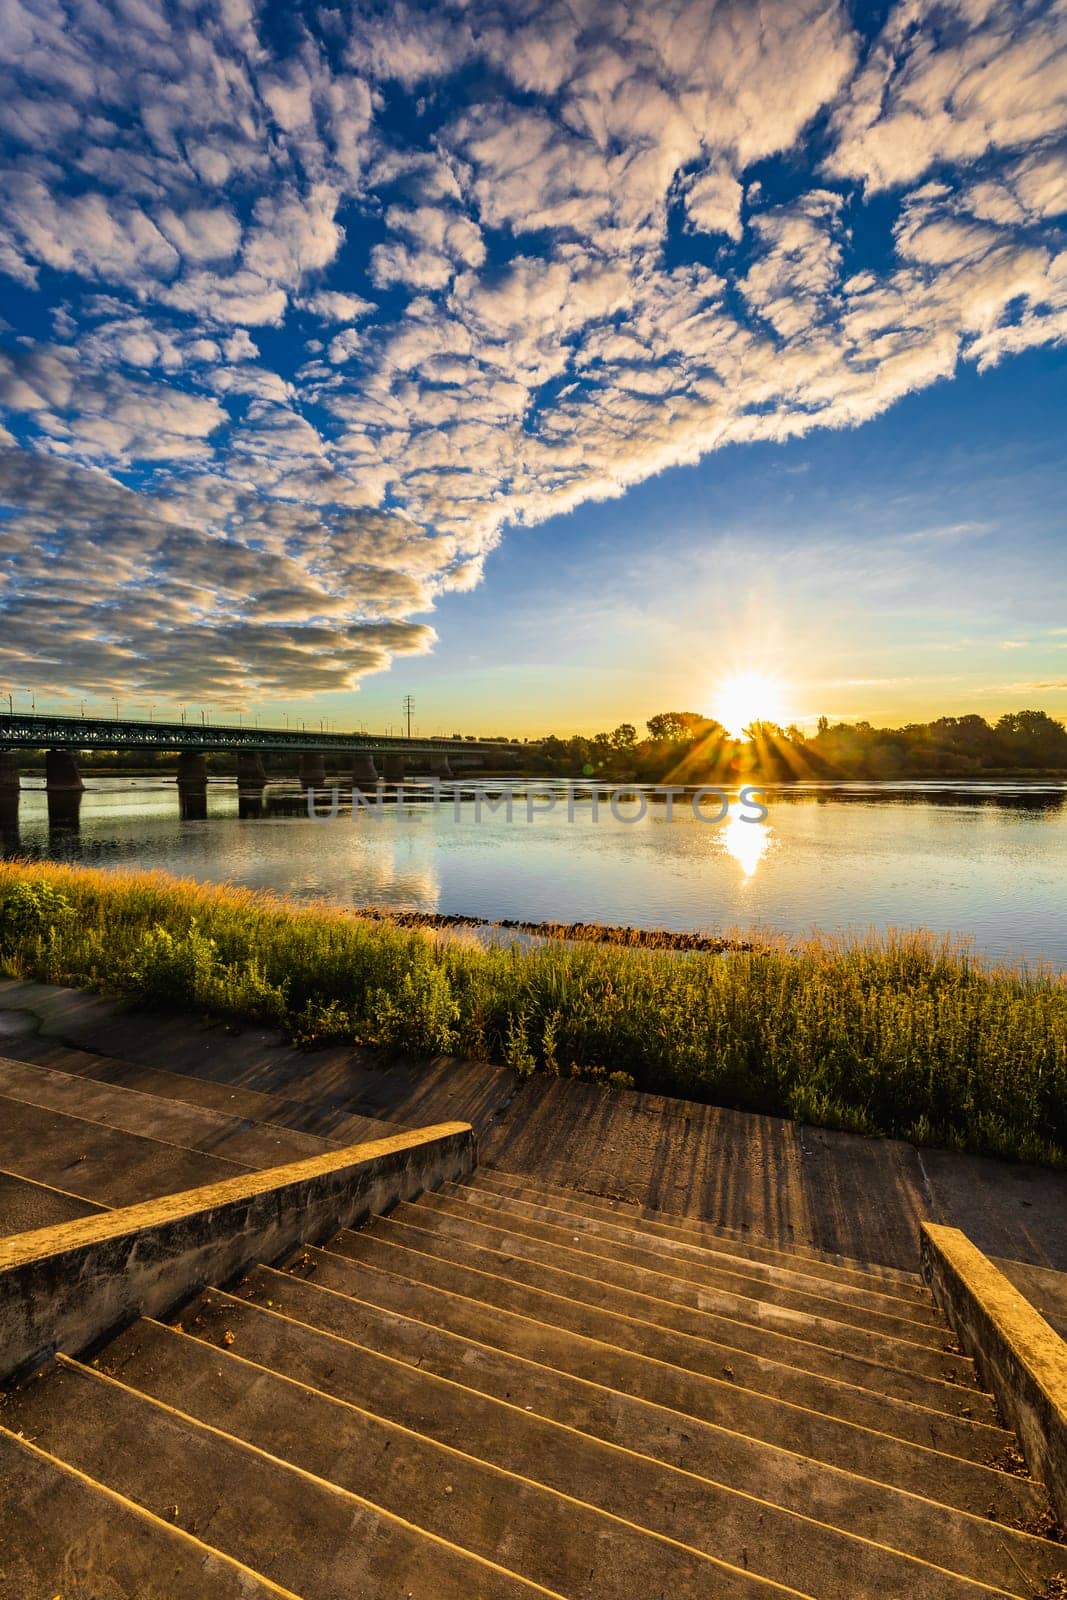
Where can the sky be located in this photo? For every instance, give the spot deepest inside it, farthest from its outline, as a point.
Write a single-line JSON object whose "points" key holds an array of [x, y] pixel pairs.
{"points": [[546, 361]]}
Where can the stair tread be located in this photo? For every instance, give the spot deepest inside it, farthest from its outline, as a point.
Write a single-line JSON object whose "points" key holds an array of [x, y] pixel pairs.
{"points": [[61, 1532], [153, 1116], [858, 1325], [231, 1099], [98, 1163], [784, 1350], [245, 1503], [585, 1342], [558, 1533], [26, 1205], [334, 1125], [641, 1460], [676, 1224], [912, 1301]]}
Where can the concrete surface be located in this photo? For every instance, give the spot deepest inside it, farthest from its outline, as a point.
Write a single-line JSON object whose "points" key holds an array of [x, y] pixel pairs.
{"points": [[64, 1287], [101, 1544], [1019, 1356], [1045, 1289], [776, 1181]]}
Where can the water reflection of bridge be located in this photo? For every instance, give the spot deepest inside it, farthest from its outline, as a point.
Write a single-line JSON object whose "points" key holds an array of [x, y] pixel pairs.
{"points": [[351, 756]]}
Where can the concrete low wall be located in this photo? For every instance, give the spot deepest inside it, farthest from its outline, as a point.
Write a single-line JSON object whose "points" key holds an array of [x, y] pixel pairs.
{"points": [[1019, 1356], [63, 1287]]}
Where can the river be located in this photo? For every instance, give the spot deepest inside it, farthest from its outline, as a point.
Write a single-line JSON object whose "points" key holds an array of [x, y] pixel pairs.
{"points": [[986, 861]]}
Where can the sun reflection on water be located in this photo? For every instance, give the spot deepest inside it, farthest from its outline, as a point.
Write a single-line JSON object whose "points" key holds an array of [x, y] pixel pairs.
{"points": [[747, 842]]}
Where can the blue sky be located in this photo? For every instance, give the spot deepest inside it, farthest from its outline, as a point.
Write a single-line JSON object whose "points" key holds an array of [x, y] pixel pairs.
{"points": [[548, 361], [952, 601]]}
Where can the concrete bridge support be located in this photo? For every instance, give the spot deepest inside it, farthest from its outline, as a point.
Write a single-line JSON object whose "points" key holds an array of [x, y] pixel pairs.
{"points": [[64, 784], [61, 772], [312, 769], [251, 781], [364, 772], [441, 767], [9, 800], [393, 768], [192, 786]]}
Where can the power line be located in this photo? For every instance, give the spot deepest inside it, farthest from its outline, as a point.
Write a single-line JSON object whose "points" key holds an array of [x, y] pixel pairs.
{"points": [[408, 708]]}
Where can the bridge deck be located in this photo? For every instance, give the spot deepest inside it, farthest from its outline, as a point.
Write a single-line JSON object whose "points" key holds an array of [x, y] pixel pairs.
{"points": [[106, 733]]}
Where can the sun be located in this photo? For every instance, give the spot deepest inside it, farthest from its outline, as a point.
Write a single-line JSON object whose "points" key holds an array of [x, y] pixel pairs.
{"points": [[745, 698]]}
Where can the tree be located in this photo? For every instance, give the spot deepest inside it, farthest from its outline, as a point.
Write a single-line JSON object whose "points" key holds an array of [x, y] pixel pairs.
{"points": [[674, 725], [624, 737]]}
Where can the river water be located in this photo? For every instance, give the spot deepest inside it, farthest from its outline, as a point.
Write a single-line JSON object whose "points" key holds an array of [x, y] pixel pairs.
{"points": [[986, 861]]}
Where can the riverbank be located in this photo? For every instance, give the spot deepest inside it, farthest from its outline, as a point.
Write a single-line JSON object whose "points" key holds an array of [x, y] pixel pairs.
{"points": [[778, 1183], [902, 1036]]}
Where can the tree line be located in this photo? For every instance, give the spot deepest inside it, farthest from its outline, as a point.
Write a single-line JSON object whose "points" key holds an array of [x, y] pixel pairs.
{"points": [[686, 747]]}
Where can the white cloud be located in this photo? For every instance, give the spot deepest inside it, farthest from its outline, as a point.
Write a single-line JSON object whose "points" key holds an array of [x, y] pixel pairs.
{"points": [[330, 305], [949, 81], [713, 203], [492, 218]]}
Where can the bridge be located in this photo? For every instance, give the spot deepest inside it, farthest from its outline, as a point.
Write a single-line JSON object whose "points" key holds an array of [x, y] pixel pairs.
{"points": [[38, 732], [64, 738]]}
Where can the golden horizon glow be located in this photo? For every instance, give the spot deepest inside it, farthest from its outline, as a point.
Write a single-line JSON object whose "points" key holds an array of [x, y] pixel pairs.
{"points": [[747, 697]]}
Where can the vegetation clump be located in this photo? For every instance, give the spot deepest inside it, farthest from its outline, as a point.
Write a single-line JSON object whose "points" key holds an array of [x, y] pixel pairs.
{"points": [[905, 1034]]}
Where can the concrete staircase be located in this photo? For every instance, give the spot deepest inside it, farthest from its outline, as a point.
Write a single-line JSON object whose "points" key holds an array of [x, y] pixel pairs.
{"points": [[101, 1133], [500, 1391]]}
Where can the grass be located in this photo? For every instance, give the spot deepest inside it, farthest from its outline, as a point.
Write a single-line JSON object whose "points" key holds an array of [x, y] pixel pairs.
{"points": [[903, 1034]]}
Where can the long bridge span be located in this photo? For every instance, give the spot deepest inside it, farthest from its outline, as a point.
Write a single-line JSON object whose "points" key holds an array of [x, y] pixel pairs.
{"points": [[37, 731], [64, 739]]}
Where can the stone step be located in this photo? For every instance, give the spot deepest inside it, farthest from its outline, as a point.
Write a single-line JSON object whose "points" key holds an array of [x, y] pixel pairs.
{"points": [[808, 1355], [231, 1099], [97, 1163], [307, 1535], [683, 1373], [249, 1144], [923, 1329], [557, 1535], [712, 1236], [25, 1205], [65, 1537], [777, 1512], [914, 1302]]}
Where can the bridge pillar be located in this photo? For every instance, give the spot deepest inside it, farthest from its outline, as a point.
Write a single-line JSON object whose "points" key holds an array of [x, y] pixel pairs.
{"points": [[64, 784], [364, 772], [61, 771], [312, 769], [394, 767], [192, 786], [440, 767], [251, 781], [9, 801]]}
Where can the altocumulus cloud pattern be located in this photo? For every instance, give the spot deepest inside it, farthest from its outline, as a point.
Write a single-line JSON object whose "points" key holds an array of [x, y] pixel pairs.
{"points": [[303, 304]]}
